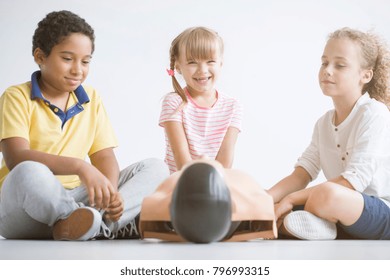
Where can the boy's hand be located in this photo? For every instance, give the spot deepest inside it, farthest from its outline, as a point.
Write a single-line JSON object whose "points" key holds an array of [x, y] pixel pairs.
{"points": [[115, 209], [283, 208], [99, 188]]}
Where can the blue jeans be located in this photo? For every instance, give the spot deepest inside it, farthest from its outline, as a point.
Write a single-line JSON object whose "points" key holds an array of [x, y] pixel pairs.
{"points": [[33, 199]]}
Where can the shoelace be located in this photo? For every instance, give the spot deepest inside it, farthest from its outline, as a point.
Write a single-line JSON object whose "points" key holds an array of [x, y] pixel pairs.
{"points": [[105, 232], [130, 230]]}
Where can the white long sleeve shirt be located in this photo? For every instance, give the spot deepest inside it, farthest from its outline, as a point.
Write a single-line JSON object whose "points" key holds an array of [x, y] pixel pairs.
{"points": [[358, 149]]}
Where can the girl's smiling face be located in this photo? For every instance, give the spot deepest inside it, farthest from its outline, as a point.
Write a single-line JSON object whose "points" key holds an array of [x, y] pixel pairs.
{"points": [[200, 74]]}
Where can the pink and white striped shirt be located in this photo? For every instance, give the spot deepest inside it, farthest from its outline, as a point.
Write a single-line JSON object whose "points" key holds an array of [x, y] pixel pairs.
{"points": [[205, 128]]}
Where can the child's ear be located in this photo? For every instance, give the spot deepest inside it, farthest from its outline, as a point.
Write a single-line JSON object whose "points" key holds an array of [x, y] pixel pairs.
{"points": [[39, 56], [367, 76]]}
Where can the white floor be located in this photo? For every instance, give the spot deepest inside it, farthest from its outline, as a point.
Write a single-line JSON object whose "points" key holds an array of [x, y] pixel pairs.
{"points": [[156, 250]]}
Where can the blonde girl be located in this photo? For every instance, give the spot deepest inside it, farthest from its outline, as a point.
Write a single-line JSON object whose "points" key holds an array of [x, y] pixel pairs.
{"points": [[198, 120], [350, 144]]}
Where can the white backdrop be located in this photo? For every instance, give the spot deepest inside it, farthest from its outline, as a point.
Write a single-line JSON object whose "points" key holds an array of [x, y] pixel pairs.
{"points": [[272, 57]]}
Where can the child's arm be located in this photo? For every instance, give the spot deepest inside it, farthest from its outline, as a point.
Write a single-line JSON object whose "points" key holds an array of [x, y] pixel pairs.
{"points": [[16, 150], [226, 151], [106, 162], [296, 181], [289, 201], [178, 141]]}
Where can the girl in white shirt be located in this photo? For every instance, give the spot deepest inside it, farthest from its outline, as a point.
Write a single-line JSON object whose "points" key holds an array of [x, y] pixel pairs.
{"points": [[350, 144], [198, 120]]}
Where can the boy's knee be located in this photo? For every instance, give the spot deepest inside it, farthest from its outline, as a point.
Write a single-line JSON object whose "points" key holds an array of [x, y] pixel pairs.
{"points": [[321, 197], [28, 174], [29, 168]]}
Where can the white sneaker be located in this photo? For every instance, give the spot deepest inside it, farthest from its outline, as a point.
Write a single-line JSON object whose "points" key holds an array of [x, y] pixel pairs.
{"points": [[83, 224], [305, 225]]}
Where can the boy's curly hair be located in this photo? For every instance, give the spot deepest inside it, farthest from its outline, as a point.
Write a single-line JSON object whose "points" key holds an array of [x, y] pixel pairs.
{"points": [[376, 56], [56, 26]]}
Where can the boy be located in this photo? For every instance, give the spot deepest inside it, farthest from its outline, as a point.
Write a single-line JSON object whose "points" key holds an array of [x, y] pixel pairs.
{"points": [[47, 127]]}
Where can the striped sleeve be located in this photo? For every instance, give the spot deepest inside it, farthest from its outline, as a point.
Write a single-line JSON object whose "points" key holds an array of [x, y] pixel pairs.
{"points": [[170, 109], [237, 115]]}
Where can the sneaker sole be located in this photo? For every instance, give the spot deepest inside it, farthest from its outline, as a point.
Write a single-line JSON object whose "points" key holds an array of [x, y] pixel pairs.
{"points": [[82, 224], [304, 225]]}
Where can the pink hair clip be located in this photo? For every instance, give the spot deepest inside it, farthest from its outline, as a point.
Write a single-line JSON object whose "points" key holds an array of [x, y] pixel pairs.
{"points": [[171, 72]]}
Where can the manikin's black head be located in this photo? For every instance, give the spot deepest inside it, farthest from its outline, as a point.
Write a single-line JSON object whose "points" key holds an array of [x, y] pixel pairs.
{"points": [[201, 204]]}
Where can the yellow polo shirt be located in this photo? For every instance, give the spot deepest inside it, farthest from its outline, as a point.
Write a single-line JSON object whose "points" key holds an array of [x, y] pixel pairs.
{"points": [[83, 129]]}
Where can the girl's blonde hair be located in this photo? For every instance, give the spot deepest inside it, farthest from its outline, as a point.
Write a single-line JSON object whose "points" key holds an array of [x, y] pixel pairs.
{"points": [[197, 43], [375, 56]]}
